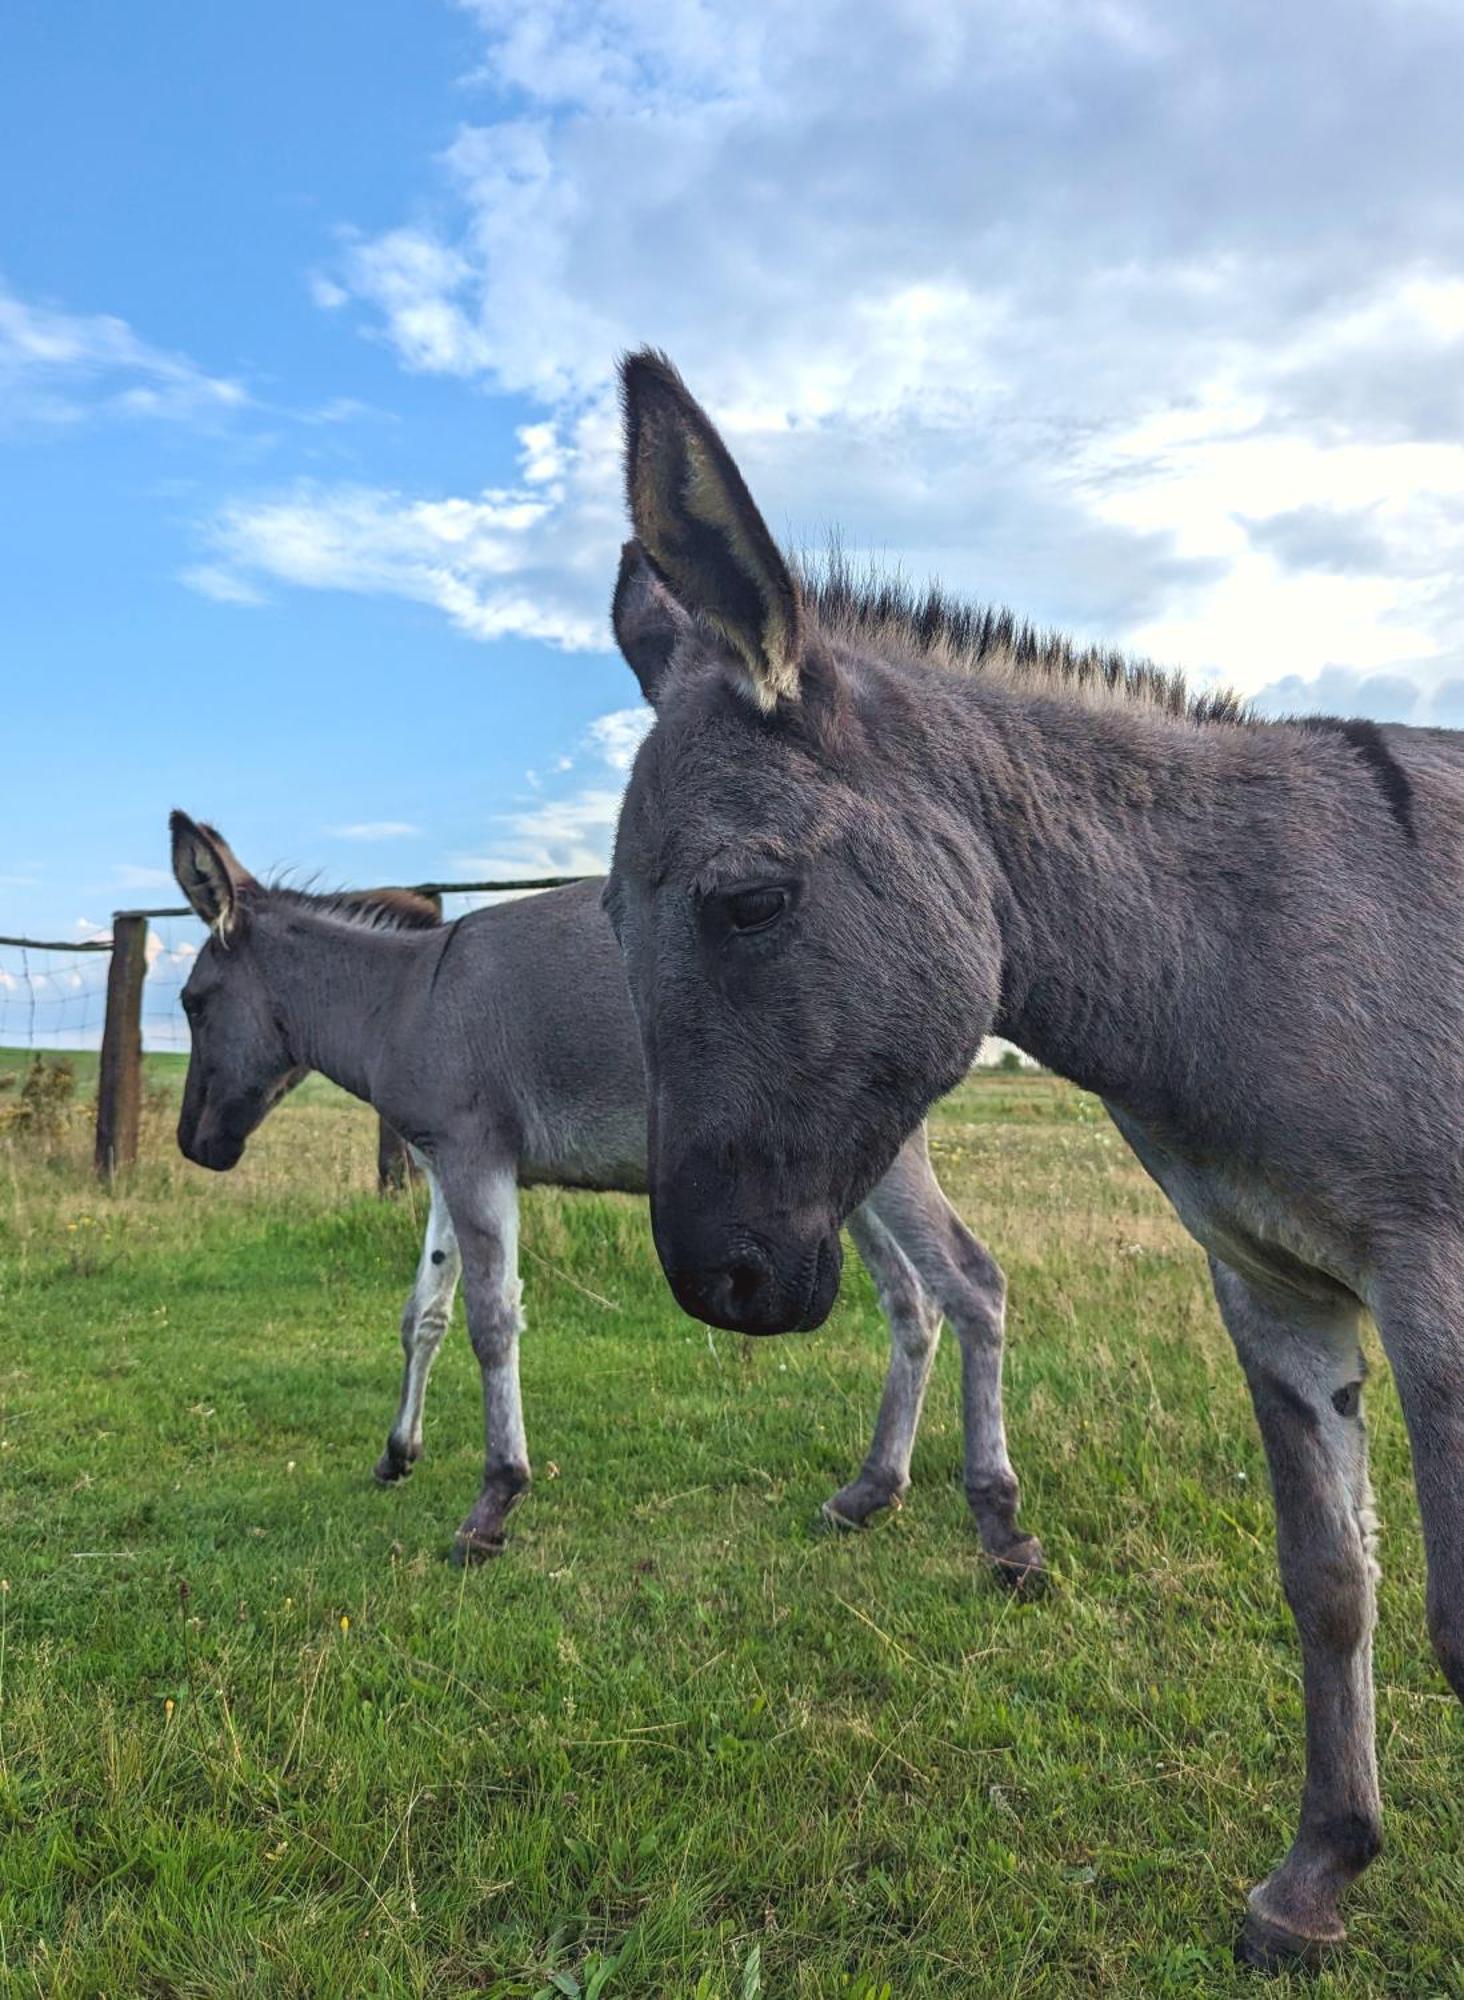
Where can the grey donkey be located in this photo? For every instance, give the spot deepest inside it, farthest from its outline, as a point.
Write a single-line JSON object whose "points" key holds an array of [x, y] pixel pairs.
{"points": [[504, 1050], [868, 828]]}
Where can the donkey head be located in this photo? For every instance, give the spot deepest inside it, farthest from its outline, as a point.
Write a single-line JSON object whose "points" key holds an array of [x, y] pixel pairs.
{"points": [[239, 1066], [802, 992]]}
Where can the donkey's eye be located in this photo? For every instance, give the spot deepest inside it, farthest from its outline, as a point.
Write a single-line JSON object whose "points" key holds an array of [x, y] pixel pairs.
{"points": [[755, 909]]}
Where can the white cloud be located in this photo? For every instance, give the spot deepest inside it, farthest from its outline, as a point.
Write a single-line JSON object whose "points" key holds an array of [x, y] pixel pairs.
{"points": [[326, 293], [566, 837], [376, 829], [617, 736], [59, 367], [1067, 303], [521, 561]]}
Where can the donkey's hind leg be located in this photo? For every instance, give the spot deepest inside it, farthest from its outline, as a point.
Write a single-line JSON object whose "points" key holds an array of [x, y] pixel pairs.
{"points": [[1304, 1366], [967, 1285], [485, 1212], [425, 1320], [914, 1322], [1420, 1314]]}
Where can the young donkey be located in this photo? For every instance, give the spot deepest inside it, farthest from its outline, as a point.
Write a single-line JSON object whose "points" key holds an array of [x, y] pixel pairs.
{"points": [[866, 830], [504, 1049]]}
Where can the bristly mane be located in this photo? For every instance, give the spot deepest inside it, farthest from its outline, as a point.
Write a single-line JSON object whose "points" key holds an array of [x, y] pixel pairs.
{"points": [[984, 639], [368, 909]]}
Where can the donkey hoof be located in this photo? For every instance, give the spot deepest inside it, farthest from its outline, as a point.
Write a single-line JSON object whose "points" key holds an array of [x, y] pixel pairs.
{"points": [[854, 1506], [1269, 1947], [468, 1551], [1023, 1568], [391, 1467]]}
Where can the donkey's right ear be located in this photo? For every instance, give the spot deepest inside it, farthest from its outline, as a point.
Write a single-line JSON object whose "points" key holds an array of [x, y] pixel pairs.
{"points": [[207, 873], [647, 619]]}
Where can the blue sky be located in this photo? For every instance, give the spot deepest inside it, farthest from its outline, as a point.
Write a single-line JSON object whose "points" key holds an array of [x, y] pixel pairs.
{"points": [[1148, 319]]}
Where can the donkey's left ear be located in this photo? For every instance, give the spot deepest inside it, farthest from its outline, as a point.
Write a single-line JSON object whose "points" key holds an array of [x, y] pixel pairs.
{"points": [[695, 519], [207, 872], [647, 620]]}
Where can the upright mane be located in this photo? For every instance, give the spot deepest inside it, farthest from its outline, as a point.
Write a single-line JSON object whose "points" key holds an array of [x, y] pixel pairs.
{"points": [[888, 612], [368, 909]]}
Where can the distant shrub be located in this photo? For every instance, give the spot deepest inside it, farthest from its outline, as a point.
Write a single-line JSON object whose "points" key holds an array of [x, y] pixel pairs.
{"points": [[42, 1107], [1010, 1061]]}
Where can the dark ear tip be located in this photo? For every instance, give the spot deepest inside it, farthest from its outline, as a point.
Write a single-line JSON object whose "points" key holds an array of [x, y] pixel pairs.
{"points": [[179, 823], [648, 369]]}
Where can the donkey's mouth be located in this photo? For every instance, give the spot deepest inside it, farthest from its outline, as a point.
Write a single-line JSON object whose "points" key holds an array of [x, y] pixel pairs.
{"points": [[824, 1288]]}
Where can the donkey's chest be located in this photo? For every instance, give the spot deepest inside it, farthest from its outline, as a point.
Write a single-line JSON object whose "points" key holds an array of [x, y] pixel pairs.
{"points": [[1245, 1222]]}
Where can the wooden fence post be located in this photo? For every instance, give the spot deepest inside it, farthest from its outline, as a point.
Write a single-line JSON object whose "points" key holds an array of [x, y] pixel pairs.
{"points": [[394, 1169], [119, 1074]]}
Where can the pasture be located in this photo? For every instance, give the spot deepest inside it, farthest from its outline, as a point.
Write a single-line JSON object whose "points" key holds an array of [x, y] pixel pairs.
{"points": [[256, 1734]]}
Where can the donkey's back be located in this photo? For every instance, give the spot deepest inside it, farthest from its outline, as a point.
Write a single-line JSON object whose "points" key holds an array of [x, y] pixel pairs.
{"points": [[521, 1030]]}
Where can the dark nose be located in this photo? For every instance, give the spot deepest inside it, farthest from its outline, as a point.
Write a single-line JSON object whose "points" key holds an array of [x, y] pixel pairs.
{"points": [[744, 1287], [745, 1295]]}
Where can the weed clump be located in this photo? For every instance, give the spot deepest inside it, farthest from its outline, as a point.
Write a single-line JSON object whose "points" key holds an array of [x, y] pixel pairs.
{"points": [[43, 1107]]}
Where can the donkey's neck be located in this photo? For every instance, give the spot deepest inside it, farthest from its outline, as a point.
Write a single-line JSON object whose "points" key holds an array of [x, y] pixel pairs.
{"points": [[1120, 922], [339, 988]]}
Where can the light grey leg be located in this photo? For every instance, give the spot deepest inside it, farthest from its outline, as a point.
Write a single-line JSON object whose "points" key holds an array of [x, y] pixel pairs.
{"points": [[486, 1217], [425, 1320], [1304, 1364], [965, 1282], [914, 1321], [1420, 1315]]}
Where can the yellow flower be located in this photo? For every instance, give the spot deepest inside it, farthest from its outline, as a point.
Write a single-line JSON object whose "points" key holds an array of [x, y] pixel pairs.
{"points": [[345, 1623], [168, 1706]]}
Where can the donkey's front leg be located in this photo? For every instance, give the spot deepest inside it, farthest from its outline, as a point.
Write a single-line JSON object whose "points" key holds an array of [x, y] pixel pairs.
{"points": [[486, 1214], [914, 1323], [425, 1320], [1304, 1366]]}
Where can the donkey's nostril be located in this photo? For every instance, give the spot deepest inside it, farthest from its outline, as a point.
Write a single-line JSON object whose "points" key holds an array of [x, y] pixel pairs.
{"points": [[743, 1293], [745, 1282]]}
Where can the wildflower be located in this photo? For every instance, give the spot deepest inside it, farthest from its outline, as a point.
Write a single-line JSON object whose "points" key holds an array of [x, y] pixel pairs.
{"points": [[168, 1706], [345, 1623]]}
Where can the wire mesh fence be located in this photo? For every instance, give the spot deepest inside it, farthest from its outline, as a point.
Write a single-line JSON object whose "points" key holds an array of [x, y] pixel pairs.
{"points": [[173, 944], [52, 994]]}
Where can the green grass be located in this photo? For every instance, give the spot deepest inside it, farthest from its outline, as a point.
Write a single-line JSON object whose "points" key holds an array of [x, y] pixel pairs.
{"points": [[256, 1734]]}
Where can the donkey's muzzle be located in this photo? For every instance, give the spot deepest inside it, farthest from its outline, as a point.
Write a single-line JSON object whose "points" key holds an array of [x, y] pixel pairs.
{"points": [[755, 1282]]}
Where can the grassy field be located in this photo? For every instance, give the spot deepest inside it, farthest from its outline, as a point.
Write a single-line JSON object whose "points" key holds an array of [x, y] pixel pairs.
{"points": [[257, 1735]]}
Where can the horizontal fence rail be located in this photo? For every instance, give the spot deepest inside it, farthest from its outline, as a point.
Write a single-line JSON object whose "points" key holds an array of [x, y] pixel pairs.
{"points": [[136, 955]]}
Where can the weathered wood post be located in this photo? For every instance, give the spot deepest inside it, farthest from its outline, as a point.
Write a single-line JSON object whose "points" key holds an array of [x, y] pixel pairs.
{"points": [[394, 1169], [119, 1075]]}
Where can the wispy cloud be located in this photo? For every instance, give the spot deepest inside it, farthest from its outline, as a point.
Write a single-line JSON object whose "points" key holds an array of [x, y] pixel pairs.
{"points": [[505, 562], [571, 835], [224, 586], [59, 367], [376, 829], [561, 837], [617, 736], [129, 875]]}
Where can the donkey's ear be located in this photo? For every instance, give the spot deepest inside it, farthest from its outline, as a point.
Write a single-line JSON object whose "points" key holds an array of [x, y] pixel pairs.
{"points": [[647, 619], [207, 873], [695, 519]]}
